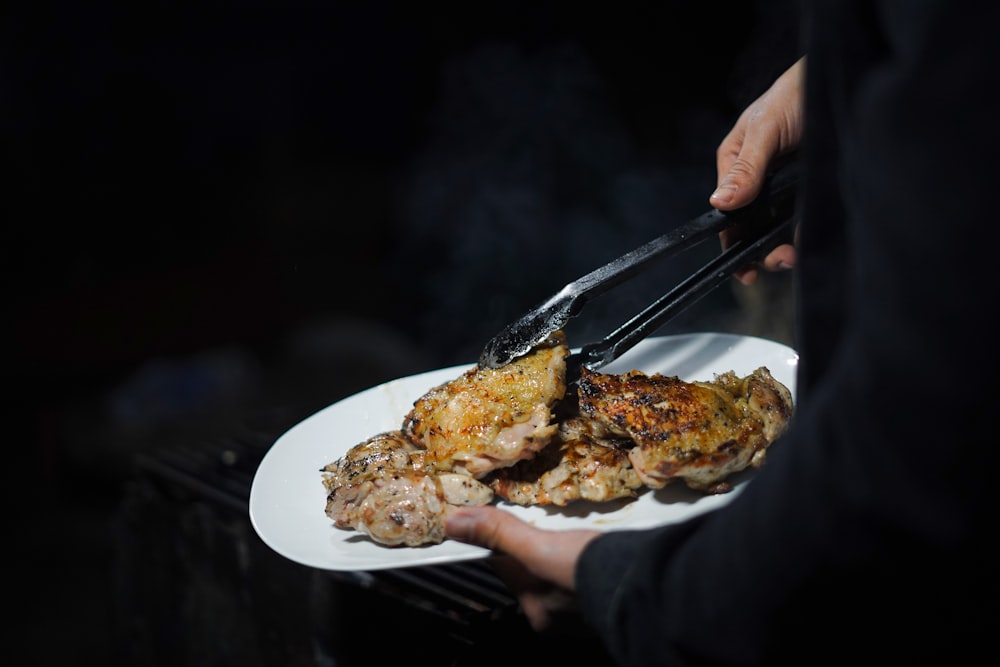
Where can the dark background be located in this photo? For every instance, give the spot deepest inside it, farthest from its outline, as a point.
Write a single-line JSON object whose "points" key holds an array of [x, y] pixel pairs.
{"points": [[213, 209]]}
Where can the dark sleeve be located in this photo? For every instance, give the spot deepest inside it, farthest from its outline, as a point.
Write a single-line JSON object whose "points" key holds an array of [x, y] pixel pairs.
{"points": [[869, 531]]}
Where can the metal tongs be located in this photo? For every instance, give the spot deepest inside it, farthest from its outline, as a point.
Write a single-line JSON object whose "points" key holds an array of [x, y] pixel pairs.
{"points": [[764, 224]]}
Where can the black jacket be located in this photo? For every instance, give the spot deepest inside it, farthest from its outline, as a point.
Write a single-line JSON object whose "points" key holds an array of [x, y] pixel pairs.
{"points": [[869, 533]]}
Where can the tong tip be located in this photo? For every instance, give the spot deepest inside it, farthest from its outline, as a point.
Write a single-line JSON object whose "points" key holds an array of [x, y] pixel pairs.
{"points": [[515, 342]]}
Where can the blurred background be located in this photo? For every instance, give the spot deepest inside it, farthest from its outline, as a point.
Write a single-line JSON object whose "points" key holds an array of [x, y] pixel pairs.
{"points": [[220, 217]]}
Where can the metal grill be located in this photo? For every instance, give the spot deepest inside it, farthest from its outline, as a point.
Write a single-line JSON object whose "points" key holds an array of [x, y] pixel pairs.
{"points": [[209, 483]]}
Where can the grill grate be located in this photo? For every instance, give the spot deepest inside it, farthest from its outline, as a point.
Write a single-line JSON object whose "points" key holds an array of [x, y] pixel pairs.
{"points": [[220, 472], [198, 586]]}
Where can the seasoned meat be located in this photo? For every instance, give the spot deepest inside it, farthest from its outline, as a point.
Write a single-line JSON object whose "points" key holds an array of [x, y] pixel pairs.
{"points": [[384, 451], [700, 432], [582, 463], [381, 488], [508, 433], [491, 418], [397, 487]]}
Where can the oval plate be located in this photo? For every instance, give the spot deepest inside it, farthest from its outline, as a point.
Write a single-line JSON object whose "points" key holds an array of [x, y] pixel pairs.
{"points": [[287, 498]]}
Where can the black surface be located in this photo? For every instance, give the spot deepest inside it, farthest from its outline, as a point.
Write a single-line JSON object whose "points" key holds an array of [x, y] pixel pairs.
{"points": [[213, 210]]}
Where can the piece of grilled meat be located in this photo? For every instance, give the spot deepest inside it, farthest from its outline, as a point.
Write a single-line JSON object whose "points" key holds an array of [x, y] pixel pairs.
{"points": [[583, 462], [495, 433], [488, 418], [700, 432], [381, 488]]}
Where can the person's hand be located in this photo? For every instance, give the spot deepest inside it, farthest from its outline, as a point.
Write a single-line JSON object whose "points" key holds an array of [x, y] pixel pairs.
{"points": [[537, 565], [769, 127]]}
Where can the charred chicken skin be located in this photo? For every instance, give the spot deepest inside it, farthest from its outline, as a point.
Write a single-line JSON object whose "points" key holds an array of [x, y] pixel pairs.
{"points": [[700, 432]]}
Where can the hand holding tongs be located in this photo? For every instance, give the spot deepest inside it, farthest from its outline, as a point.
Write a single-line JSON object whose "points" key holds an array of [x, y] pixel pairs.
{"points": [[765, 223]]}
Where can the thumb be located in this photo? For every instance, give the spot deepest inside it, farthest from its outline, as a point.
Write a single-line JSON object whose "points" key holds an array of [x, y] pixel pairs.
{"points": [[549, 554], [490, 527], [741, 181]]}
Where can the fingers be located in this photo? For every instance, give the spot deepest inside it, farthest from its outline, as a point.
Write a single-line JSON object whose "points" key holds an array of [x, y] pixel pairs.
{"points": [[741, 175], [489, 527], [541, 601], [551, 555], [742, 159], [770, 126], [747, 276], [543, 609], [537, 565], [781, 258]]}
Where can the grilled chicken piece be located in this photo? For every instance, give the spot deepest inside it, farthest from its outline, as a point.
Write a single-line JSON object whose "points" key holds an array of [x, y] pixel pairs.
{"points": [[494, 433], [700, 432], [583, 463], [492, 418], [381, 488], [385, 451]]}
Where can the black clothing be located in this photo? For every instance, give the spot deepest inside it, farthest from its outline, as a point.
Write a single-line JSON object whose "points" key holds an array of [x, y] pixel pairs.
{"points": [[867, 536]]}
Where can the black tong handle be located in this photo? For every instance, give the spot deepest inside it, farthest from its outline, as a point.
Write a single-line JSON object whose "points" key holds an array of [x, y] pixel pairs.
{"points": [[698, 285], [764, 221]]}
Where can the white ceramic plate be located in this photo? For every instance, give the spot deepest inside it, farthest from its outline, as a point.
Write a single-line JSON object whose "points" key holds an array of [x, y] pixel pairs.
{"points": [[287, 499]]}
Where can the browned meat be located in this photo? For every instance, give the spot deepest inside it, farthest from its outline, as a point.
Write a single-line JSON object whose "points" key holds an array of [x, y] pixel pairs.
{"points": [[494, 433], [582, 463], [381, 488], [700, 432], [491, 418]]}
